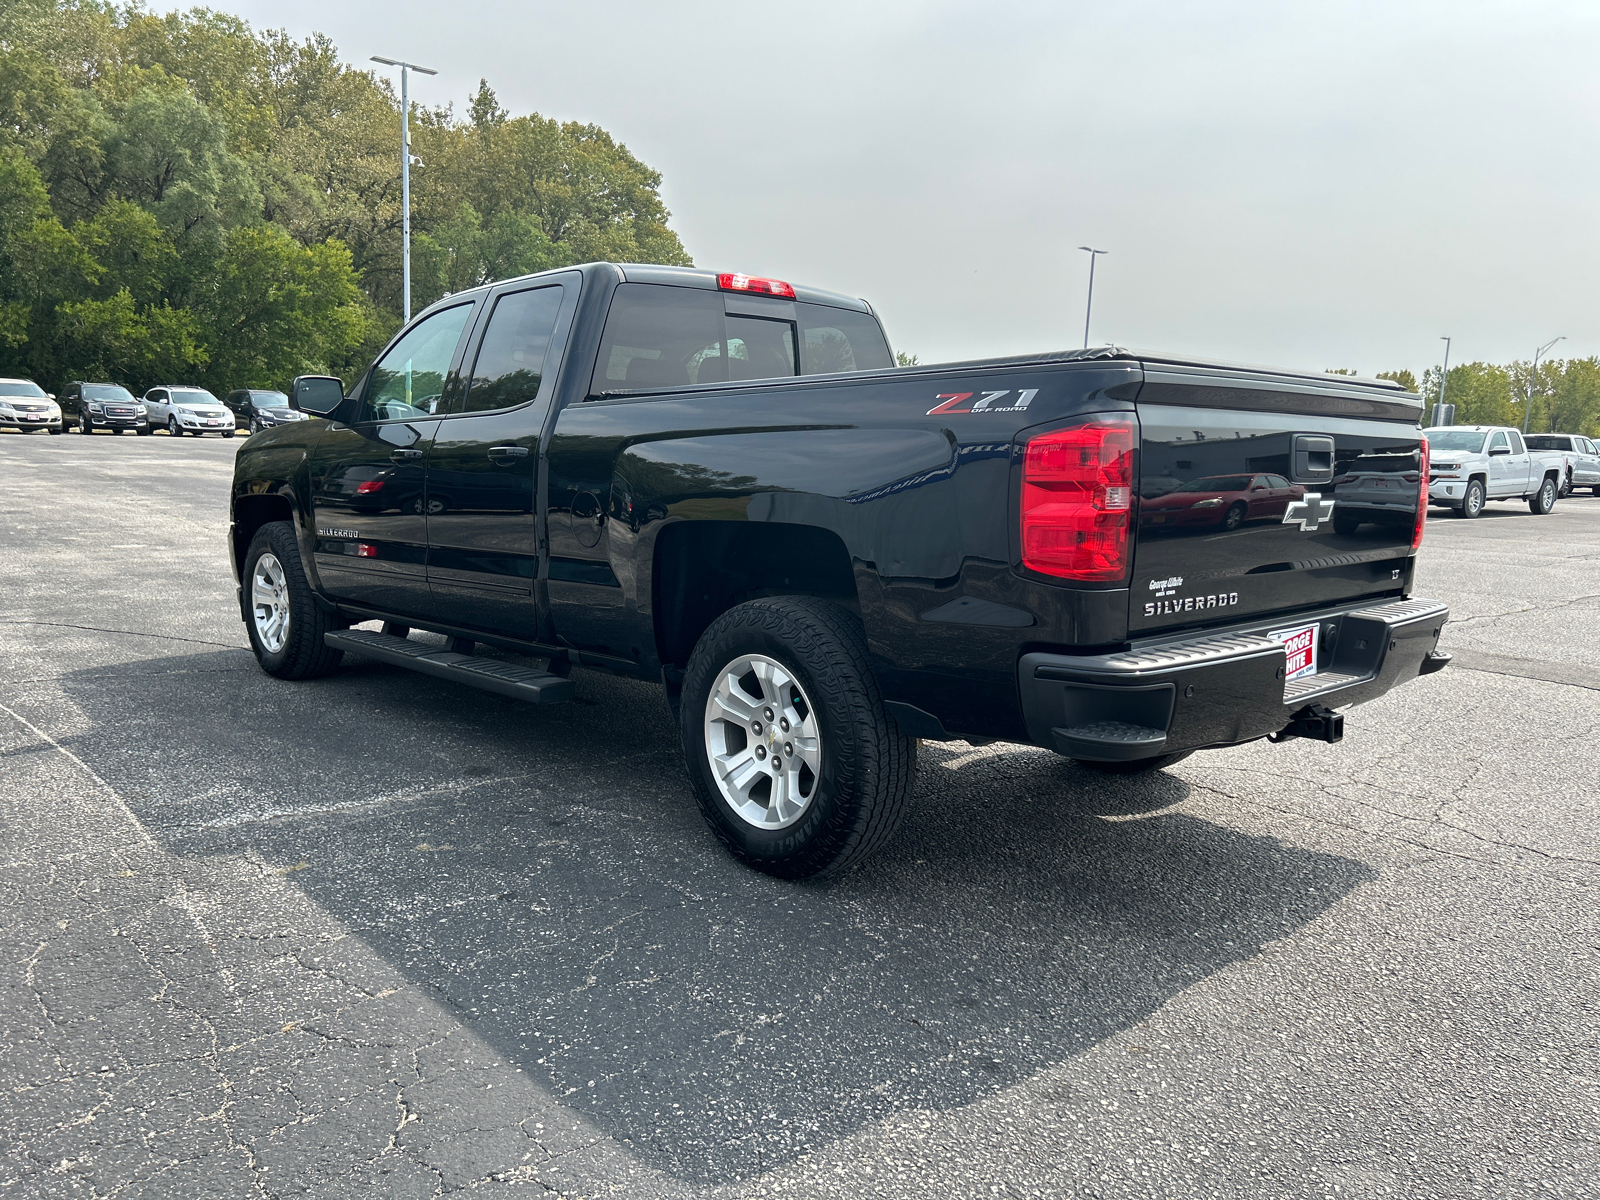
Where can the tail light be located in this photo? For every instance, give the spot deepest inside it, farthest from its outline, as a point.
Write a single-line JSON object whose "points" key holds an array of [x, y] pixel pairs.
{"points": [[1077, 499], [748, 283], [367, 486], [1422, 496]]}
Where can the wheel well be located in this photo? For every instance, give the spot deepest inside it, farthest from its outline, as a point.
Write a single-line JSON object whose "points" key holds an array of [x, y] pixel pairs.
{"points": [[704, 568], [250, 513]]}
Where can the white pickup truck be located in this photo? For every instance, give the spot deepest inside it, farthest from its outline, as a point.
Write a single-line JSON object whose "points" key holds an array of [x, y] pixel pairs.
{"points": [[1473, 464]]}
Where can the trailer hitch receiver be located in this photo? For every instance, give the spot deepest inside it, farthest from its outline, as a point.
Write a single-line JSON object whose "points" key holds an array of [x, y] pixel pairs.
{"points": [[1315, 721]]}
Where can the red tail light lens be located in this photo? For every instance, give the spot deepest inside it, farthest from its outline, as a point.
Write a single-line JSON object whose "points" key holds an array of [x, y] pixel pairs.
{"points": [[1077, 500], [367, 486], [748, 283], [1422, 498]]}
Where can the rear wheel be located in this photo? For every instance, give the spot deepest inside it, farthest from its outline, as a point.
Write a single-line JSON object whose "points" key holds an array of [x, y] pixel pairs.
{"points": [[1137, 766], [1472, 502], [1542, 501], [285, 623], [797, 765]]}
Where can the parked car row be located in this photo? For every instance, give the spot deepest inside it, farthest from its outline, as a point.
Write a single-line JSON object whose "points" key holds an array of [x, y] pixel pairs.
{"points": [[179, 409]]}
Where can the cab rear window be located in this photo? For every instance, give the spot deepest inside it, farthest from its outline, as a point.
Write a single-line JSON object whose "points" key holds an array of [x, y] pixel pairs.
{"points": [[658, 336]]}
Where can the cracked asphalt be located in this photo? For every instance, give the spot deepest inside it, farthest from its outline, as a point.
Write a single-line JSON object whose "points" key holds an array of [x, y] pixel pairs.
{"points": [[377, 935]]}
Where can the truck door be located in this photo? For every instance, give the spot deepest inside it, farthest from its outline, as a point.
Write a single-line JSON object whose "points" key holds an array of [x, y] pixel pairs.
{"points": [[483, 466], [367, 476], [1508, 475]]}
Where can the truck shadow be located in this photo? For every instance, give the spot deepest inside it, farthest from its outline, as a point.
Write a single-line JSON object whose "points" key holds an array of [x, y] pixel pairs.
{"points": [[545, 876]]}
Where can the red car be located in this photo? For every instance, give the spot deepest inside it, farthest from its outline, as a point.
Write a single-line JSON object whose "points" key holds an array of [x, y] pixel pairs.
{"points": [[1225, 501]]}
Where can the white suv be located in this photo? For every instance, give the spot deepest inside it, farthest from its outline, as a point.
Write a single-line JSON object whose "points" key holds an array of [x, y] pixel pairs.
{"points": [[188, 410]]}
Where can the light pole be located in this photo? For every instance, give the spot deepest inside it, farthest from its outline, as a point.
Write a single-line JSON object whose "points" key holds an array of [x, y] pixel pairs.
{"points": [[1527, 404], [1089, 306], [1444, 378], [405, 172]]}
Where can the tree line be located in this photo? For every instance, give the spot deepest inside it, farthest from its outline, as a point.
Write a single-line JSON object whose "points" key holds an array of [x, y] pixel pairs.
{"points": [[184, 199], [1564, 397]]}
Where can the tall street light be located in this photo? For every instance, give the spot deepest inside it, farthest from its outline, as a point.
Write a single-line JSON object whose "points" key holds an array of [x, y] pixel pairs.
{"points": [[1089, 306], [405, 170], [1444, 378], [1534, 379]]}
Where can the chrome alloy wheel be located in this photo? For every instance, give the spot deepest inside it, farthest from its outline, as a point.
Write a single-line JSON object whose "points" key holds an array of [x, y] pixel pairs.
{"points": [[762, 739], [269, 602]]}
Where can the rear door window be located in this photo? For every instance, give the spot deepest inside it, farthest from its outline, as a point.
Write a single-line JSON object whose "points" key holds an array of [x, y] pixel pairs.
{"points": [[1516, 443], [509, 368]]}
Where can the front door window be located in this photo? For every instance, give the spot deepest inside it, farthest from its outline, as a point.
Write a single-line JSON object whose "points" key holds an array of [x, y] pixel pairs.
{"points": [[409, 381]]}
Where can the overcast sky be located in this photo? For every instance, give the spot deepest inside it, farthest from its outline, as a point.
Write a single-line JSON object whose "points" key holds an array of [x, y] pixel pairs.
{"points": [[1309, 184]]}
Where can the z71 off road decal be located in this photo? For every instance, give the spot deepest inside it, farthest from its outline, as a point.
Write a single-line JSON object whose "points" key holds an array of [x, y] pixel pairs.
{"points": [[957, 402]]}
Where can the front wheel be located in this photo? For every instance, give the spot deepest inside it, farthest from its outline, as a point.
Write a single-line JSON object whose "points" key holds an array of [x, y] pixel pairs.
{"points": [[173, 428], [1234, 517], [797, 765], [285, 623], [83, 425], [227, 433], [145, 430], [61, 428], [1472, 502], [1542, 501]]}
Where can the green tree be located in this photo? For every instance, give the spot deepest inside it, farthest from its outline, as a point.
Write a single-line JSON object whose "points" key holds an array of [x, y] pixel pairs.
{"points": [[1403, 377], [1480, 391]]}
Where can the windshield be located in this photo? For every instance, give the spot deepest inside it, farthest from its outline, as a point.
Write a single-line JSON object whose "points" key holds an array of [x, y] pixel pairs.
{"points": [[1217, 483], [269, 399], [106, 391], [192, 396], [1547, 442], [1462, 441], [32, 390]]}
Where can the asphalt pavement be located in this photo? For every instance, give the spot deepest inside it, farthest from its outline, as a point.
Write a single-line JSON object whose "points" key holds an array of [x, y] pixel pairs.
{"points": [[381, 935]]}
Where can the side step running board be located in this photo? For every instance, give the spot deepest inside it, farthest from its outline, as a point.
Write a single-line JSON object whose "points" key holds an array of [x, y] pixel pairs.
{"points": [[488, 674]]}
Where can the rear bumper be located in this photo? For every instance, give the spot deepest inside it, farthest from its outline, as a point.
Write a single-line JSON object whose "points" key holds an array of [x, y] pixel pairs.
{"points": [[1225, 687]]}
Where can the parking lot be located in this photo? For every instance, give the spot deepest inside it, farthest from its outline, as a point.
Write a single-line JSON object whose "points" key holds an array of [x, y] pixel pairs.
{"points": [[379, 935]]}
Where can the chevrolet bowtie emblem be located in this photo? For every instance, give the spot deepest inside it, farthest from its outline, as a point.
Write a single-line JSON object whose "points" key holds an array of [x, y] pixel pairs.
{"points": [[1308, 512]]}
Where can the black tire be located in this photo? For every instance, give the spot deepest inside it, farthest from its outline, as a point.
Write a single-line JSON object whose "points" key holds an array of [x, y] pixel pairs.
{"points": [[867, 765], [1472, 503], [1137, 766], [303, 654], [83, 425], [227, 433], [1234, 516], [1542, 501], [173, 428], [61, 428], [144, 430], [1566, 488]]}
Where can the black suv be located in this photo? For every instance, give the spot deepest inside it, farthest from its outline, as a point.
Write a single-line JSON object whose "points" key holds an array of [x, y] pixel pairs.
{"points": [[94, 406], [258, 408]]}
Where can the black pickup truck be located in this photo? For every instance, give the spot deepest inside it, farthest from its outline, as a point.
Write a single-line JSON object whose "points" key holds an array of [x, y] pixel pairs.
{"points": [[723, 483]]}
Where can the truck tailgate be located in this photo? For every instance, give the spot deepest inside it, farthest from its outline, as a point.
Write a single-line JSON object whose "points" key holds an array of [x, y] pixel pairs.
{"points": [[1259, 496]]}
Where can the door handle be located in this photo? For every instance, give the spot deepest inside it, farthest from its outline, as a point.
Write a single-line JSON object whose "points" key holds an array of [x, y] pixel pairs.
{"points": [[503, 453], [401, 456]]}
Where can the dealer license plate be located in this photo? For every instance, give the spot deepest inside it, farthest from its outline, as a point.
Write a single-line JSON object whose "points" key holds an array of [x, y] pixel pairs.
{"points": [[1299, 651]]}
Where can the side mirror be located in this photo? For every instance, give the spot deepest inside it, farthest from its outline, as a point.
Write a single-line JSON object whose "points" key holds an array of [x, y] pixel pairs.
{"points": [[49, 395], [1500, 450], [319, 395]]}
